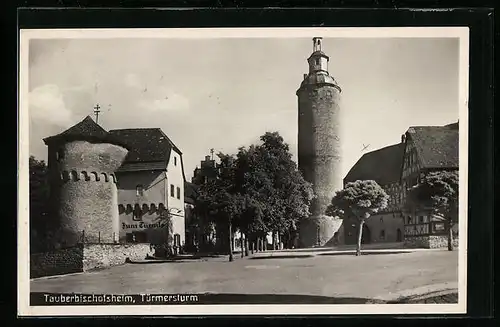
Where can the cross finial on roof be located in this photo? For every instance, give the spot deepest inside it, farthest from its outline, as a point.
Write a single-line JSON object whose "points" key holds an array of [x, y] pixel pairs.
{"points": [[96, 112]]}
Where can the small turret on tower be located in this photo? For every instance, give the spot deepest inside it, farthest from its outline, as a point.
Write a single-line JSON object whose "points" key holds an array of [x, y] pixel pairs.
{"points": [[318, 61]]}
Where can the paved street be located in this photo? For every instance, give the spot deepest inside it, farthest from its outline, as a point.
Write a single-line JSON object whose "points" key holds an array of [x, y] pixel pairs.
{"points": [[368, 276]]}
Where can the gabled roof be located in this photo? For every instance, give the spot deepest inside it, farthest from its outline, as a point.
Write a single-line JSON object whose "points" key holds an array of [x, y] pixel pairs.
{"points": [[382, 165], [436, 146], [142, 166], [146, 144], [87, 130]]}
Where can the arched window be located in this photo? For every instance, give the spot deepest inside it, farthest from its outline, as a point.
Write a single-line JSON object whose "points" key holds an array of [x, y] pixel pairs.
{"points": [[139, 190]]}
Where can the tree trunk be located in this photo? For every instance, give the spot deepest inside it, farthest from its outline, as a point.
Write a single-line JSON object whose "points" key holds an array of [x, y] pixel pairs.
{"points": [[242, 241], [264, 242], [360, 235], [230, 242], [246, 245], [450, 235], [274, 239]]}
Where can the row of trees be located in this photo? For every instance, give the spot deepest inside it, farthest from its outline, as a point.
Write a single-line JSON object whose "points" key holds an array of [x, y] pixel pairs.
{"points": [[257, 191]]}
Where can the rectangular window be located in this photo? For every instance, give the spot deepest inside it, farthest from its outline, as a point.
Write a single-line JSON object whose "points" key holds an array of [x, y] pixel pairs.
{"points": [[420, 219], [139, 190], [172, 190], [175, 161], [178, 192]]}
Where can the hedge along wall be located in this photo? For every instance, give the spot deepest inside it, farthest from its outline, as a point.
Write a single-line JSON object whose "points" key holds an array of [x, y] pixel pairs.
{"points": [[85, 258]]}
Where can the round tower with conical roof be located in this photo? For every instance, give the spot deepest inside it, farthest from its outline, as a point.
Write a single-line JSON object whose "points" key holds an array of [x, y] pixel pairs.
{"points": [[319, 147], [83, 195]]}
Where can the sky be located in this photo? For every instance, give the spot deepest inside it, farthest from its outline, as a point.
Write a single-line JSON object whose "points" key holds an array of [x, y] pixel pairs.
{"points": [[224, 93]]}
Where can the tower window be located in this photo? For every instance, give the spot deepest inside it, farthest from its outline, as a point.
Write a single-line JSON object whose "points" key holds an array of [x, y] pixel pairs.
{"points": [[175, 161], [172, 190], [178, 192], [317, 61], [59, 154], [139, 190]]}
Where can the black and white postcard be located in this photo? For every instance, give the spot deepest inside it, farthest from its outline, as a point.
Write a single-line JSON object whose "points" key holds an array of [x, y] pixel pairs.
{"points": [[243, 171]]}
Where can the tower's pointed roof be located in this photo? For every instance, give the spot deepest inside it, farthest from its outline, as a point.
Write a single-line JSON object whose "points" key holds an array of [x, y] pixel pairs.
{"points": [[85, 130]]}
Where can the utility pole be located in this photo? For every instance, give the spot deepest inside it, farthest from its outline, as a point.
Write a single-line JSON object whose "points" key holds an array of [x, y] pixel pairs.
{"points": [[96, 112]]}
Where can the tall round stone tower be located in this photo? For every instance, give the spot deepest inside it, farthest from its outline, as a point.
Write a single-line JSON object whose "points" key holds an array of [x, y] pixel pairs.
{"points": [[319, 148], [83, 195]]}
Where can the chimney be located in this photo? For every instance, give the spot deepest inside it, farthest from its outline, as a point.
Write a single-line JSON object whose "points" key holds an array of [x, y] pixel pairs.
{"points": [[403, 138], [207, 158]]}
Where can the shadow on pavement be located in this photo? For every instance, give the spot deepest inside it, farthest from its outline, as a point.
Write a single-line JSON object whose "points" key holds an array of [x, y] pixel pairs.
{"points": [[365, 253], [283, 256]]}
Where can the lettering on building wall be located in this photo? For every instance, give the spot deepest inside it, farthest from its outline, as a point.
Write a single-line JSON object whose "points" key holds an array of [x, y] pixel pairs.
{"points": [[142, 225]]}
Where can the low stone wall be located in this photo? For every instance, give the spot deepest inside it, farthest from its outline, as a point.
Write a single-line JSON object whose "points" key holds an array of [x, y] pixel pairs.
{"points": [[440, 241], [417, 242], [84, 258], [105, 255], [429, 242], [56, 262]]}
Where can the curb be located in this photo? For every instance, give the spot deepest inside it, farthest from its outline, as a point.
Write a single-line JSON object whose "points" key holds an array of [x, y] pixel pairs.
{"points": [[56, 276], [304, 254], [420, 292]]}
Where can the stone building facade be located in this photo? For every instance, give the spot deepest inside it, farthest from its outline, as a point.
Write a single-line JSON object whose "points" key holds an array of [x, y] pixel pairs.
{"points": [[150, 186], [397, 168], [82, 163], [383, 166], [111, 192], [319, 148]]}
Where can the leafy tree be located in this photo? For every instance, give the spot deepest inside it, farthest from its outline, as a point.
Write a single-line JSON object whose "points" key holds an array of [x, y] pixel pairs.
{"points": [[360, 199], [277, 194], [438, 191], [41, 225], [219, 201]]}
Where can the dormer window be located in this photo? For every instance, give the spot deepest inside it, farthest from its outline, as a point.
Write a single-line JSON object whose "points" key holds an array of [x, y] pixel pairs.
{"points": [[139, 190]]}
